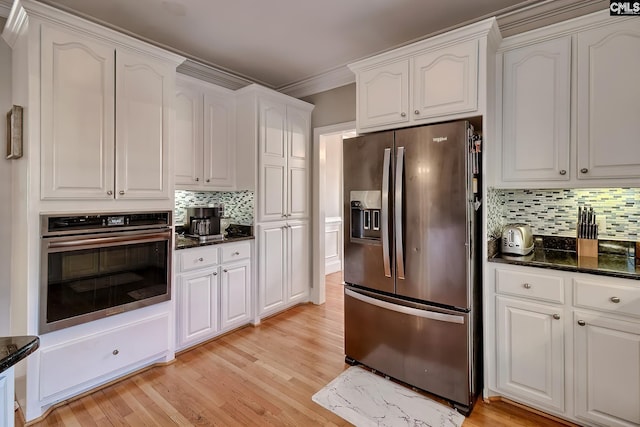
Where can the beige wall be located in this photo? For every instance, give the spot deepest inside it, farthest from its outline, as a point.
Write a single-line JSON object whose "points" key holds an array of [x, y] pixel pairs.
{"points": [[5, 189], [333, 176], [333, 106]]}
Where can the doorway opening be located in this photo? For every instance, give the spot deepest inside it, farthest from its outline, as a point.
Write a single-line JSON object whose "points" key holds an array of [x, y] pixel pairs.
{"points": [[327, 233]]}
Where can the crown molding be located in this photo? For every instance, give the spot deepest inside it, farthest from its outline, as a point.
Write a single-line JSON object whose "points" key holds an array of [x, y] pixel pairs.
{"points": [[213, 75], [5, 8], [546, 13], [510, 22], [337, 77]]}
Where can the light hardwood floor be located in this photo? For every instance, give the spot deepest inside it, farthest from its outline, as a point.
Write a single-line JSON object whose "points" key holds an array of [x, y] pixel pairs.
{"points": [[255, 376]]}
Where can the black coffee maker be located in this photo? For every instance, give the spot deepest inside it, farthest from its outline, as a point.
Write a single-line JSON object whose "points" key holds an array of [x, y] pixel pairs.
{"points": [[204, 221]]}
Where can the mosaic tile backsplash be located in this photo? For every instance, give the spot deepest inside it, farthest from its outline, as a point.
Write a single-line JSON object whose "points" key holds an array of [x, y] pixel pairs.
{"points": [[554, 212], [238, 205]]}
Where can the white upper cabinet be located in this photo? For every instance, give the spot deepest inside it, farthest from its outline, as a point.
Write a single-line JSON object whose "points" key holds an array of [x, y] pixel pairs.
{"points": [[188, 135], [383, 95], [205, 136], [78, 105], [569, 109], [608, 63], [536, 111], [432, 80], [142, 127], [445, 81], [104, 120]]}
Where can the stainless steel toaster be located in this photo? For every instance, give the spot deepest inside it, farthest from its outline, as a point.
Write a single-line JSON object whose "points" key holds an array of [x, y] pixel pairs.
{"points": [[517, 239]]}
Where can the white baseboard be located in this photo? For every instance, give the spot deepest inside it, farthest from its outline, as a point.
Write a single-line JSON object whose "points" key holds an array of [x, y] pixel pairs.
{"points": [[332, 265]]}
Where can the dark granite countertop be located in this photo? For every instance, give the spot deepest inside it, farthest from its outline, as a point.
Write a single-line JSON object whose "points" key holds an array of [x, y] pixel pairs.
{"points": [[14, 349], [183, 242], [616, 259], [235, 233]]}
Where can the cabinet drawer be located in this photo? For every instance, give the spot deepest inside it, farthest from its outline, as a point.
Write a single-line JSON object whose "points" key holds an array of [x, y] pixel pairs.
{"points": [[76, 363], [530, 285], [191, 259], [606, 297], [236, 251]]}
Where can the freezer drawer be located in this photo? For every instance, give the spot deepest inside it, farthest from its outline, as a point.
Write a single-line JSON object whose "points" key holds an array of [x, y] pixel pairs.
{"points": [[413, 343]]}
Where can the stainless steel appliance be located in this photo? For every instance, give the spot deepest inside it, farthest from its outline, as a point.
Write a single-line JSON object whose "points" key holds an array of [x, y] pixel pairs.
{"points": [[204, 222], [97, 265], [413, 293], [517, 239]]}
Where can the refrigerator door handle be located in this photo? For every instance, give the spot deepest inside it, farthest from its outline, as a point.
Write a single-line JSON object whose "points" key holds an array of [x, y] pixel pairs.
{"points": [[450, 318], [386, 259], [398, 213]]}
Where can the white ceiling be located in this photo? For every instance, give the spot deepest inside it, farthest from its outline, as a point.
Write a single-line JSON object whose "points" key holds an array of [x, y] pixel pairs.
{"points": [[279, 43]]}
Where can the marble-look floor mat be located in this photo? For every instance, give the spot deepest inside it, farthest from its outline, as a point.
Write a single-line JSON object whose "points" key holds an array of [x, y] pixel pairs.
{"points": [[366, 399]]}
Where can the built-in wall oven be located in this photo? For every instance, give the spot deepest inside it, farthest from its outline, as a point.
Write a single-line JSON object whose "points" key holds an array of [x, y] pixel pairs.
{"points": [[97, 265]]}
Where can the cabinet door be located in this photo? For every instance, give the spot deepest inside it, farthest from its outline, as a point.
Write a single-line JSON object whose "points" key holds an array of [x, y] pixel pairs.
{"points": [[77, 94], [608, 62], [445, 81], [188, 160], [530, 351], [143, 90], [536, 114], [198, 306], [272, 267], [272, 145], [383, 95], [298, 251], [235, 294], [607, 370], [7, 414], [219, 140], [298, 125]]}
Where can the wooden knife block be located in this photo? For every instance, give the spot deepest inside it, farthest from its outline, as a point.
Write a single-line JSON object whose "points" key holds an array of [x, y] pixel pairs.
{"points": [[588, 253]]}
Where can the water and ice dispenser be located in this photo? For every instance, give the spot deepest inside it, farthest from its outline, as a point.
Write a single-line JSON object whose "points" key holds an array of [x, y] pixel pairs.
{"points": [[365, 214]]}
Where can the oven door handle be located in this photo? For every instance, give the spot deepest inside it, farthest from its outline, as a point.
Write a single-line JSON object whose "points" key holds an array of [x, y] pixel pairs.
{"points": [[108, 241]]}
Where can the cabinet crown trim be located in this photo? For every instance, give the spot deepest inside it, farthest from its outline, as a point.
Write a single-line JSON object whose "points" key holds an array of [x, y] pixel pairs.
{"points": [[485, 28], [565, 28], [23, 10], [255, 89]]}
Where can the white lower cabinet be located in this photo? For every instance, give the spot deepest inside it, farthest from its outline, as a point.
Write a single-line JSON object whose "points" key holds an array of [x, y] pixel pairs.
{"points": [[284, 274], [198, 309], [530, 359], [214, 291], [567, 343], [80, 364], [607, 370], [6, 398]]}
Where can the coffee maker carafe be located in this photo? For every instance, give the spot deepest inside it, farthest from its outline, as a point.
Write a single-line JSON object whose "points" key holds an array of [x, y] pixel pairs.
{"points": [[204, 222]]}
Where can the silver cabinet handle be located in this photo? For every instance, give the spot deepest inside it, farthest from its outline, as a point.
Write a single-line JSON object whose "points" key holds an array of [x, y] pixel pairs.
{"points": [[584, 170], [581, 322], [215, 273], [386, 260], [563, 172], [556, 316], [197, 179], [208, 180], [403, 114], [225, 270], [115, 352], [200, 259], [121, 192], [527, 286], [398, 212], [236, 253], [416, 112], [614, 300], [110, 193]]}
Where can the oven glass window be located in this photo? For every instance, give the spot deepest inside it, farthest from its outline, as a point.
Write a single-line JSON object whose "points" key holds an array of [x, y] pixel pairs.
{"points": [[89, 280]]}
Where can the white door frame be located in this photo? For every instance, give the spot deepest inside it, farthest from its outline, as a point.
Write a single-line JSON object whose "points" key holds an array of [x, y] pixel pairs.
{"points": [[318, 206]]}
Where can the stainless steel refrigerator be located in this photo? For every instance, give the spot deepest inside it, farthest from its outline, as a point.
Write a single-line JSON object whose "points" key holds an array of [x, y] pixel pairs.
{"points": [[413, 294]]}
